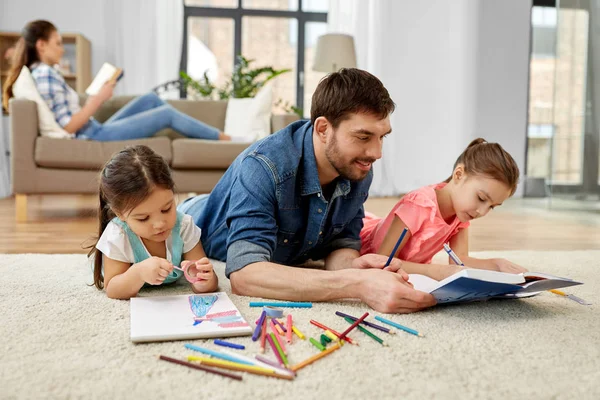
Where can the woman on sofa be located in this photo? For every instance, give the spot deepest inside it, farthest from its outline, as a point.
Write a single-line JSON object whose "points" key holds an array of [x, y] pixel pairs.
{"points": [[40, 47]]}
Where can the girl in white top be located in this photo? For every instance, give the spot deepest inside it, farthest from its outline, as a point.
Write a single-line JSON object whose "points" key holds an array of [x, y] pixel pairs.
{"points": [[143, 239]]}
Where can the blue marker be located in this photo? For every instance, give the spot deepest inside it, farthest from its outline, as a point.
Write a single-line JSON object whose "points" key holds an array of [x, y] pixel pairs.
{"points": [[404, 232], [271, 304], [453, 255], [229, 344]]}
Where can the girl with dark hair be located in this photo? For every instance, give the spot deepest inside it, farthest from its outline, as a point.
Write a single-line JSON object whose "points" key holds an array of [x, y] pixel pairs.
{"points": [[142, 237], [40, 48], [484, 176]]}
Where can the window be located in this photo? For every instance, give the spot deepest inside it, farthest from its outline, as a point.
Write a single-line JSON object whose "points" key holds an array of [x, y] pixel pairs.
{"points": [[277, 33]]}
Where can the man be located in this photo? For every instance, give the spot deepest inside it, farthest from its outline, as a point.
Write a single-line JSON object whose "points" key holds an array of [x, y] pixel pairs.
{"points": [[298, 195]]}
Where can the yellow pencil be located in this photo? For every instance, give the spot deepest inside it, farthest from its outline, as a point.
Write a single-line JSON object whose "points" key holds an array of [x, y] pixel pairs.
{"points": [[333, 337], [297, 332], [252, 369], [558, 292], [314, 358]]}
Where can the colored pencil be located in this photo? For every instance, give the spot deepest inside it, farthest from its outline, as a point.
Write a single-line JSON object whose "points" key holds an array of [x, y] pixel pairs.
{"points": [[367, 332], [367, 323], [274, 330], [213, 353], [229, 344], [251, 369], [273, 364], [298, 333], [200, 367], [404, 231], [336, 333], [263, 336], [317, 344], [258, 328], [289, 328], [396, 325], [277, 343], [274, 348], [282, 304], [354, 325], [279, 324], [316, 357], [255, 361], [333, 337]]}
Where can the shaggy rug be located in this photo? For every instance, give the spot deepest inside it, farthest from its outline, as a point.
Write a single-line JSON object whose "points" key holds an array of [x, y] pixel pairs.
{"points": [[64, 339]]}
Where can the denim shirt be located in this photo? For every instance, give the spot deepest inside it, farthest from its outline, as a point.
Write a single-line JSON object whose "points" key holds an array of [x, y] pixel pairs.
{"points": [[269, 206]]}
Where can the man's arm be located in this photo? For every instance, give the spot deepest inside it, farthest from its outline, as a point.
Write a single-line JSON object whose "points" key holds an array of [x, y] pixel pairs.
{"points": [[384, 291]]}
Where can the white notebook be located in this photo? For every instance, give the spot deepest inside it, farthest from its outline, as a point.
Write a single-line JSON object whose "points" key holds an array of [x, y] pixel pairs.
{"points": [[188, 316]]}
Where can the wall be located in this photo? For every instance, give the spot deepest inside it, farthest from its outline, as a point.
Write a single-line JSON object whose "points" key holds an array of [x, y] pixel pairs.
{"points": [[73, 16]]}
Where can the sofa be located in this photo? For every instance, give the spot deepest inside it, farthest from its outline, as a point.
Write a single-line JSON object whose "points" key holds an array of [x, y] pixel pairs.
{"points": [[42, 165]]}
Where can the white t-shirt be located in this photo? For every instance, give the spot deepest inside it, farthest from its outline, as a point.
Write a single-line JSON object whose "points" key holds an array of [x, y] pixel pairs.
{"points": [[114, 243]]}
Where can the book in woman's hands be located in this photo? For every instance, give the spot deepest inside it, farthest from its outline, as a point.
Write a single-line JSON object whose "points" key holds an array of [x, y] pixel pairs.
{"points": [[107, 72], [480, 284]]}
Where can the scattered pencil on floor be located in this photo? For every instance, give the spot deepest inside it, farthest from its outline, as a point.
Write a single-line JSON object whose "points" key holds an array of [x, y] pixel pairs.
{"points": [[229, 344], [298, 333], [280, 350], [316, 357], [354, 325], [251, 369], [336, 333], [367, 323], [367, 332], [396, 325], [317, 344], [200, 367], [289, 328]]}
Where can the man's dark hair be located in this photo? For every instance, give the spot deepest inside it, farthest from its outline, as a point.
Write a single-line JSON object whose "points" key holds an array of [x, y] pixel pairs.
{"points": [[350, 91]]}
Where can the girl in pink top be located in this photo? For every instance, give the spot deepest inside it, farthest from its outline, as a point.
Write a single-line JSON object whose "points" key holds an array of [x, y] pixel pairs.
{"points": [[484, 176]]}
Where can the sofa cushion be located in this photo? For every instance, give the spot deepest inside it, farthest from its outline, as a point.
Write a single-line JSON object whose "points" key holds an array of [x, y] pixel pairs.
{"points": [[89, 154], [205, 154]]}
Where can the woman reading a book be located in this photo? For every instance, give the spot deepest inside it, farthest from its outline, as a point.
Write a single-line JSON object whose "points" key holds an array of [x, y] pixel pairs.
{"points": [[40, 47]]}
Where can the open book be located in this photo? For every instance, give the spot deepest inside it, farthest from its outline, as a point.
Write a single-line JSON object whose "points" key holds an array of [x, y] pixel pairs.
{"points": [[107, 72], [188, 316], [480, 284]]}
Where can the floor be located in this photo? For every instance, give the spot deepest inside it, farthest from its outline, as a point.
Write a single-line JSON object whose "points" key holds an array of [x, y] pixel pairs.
{"points": [[67, 224]]}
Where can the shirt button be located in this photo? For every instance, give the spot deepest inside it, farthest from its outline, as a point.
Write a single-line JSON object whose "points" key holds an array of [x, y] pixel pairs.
{"points": [[309, 242], [318, 194], [319, 211], [320, 233], [285, 240]]}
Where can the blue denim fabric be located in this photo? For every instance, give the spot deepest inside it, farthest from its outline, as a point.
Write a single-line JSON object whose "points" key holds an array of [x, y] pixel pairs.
{"points": [[143, 117], [269, 206]]}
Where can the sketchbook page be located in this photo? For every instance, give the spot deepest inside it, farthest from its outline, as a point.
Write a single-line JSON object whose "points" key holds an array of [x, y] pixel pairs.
{"points": [[182, 317], [541, 275], [107, 71], [493, 276], [422, 282], [547, 284]]}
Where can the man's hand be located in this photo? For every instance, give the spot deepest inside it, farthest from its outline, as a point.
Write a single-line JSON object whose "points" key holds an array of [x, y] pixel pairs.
{"points": [[378, 261], [388, 292]]}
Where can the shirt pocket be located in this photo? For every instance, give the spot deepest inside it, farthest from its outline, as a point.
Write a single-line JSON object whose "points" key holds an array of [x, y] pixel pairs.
{"points": [[288, 246]]}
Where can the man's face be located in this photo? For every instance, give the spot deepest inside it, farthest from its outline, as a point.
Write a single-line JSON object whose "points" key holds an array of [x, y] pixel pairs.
{"points": [[355, 145]]}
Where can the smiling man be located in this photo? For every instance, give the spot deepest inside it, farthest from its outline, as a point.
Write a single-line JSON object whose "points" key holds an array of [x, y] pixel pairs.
{"points": [[298, 196]]}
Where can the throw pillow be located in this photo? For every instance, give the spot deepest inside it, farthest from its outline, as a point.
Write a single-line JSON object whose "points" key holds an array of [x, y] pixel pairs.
{"points": [[24, 88], [250, 119]]}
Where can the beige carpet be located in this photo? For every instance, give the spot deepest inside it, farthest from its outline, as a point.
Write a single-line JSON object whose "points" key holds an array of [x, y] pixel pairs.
{"points": [[63, 339]]}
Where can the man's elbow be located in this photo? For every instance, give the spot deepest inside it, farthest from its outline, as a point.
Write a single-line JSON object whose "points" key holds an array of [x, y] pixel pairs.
{"points": [[239, 283]]}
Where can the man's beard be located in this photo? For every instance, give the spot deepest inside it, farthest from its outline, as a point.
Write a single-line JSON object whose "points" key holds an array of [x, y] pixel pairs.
{"points": [[346, 170]]}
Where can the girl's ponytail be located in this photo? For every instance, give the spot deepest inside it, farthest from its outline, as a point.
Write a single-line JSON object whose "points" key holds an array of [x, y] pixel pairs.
{"points": [[105, 215], [491, 160]]}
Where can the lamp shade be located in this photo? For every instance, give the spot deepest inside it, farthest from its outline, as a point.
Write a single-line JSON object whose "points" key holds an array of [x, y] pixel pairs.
{"points": [[334, 51]]}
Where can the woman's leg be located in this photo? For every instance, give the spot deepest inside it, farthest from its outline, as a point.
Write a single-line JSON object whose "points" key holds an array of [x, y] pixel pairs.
{"points": [[146, 124], [139, 104]]}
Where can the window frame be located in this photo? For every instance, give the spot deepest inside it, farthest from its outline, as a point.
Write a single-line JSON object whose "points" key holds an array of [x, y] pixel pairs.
{"points": [[237, 15]]}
